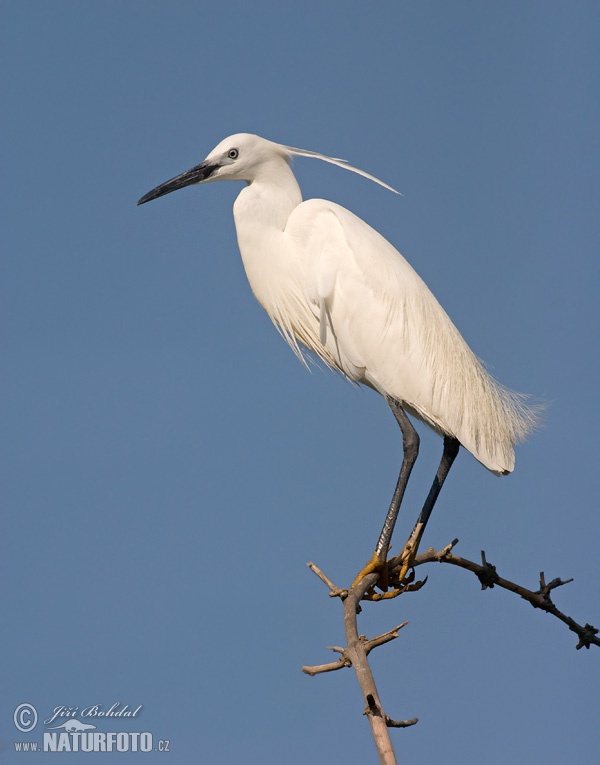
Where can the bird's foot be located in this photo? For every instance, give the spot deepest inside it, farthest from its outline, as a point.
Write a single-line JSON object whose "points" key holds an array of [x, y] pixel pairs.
{"points": [[377, 565], [401, 564], [398, 587], [393, 581], [396, 575]]}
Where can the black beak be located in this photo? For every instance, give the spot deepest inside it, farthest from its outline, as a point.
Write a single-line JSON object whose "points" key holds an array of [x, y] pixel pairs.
{"points": [[198, 174]]}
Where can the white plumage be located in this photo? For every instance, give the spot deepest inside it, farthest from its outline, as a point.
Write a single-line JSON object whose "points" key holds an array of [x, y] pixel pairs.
{"points": [[335, 286]]}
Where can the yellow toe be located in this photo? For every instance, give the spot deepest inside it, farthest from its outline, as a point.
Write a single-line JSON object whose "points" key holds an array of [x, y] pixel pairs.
{"points": [[375, 565]]}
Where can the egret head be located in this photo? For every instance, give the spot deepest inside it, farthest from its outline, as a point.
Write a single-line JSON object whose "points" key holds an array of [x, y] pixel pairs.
{"points": [[245, 157], [241, 157]]}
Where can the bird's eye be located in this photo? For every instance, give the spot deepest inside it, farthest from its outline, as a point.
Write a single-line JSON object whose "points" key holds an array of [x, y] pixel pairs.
{"points": [[233, 153]]}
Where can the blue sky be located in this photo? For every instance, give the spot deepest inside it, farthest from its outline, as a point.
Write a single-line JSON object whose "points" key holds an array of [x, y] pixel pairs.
{"points": [[169, 465]]}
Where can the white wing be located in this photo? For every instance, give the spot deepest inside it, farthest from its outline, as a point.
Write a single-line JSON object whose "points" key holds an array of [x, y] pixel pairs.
{"points": [[380, 325]]}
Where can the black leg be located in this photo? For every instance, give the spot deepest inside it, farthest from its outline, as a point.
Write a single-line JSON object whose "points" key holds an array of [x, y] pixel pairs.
{"points": [[451, 447], [410, 445]]}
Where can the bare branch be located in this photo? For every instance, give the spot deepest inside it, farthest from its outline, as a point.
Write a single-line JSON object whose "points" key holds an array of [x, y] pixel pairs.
{"points": [[358, 656], [331, 667], [382, 639], [359, 646], [489, 578], [400, 723], [355, 655], [334, 592]]}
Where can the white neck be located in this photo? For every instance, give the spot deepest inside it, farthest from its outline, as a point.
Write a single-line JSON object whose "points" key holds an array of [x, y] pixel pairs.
{"points": [[261, 212], [269, 199]]}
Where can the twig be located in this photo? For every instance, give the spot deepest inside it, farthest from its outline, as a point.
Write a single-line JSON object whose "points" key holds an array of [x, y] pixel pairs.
{"points": [[489, 578], [331, 667], [400, 723], [334, 592], [382, 639]]}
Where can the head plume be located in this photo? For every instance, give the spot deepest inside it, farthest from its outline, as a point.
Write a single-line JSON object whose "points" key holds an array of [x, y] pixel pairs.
{"points": [[293, 152]]}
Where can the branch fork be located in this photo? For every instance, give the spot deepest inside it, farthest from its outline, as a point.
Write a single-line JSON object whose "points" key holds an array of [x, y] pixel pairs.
{"points": [[359, 646]]}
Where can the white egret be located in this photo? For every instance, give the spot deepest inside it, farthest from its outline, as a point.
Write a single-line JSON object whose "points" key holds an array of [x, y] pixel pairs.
{"points": [[333, 285]]}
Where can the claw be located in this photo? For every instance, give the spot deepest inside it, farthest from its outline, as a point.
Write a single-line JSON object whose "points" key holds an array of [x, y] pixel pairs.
{"points": [[375, 565], [407, 556], [403, 580], [407, 584]]}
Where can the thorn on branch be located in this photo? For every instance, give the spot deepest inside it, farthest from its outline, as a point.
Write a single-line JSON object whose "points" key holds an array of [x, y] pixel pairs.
{"points": [[487, 574], [587, 636], [435, 556], [446, 553], [545, 589]]}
